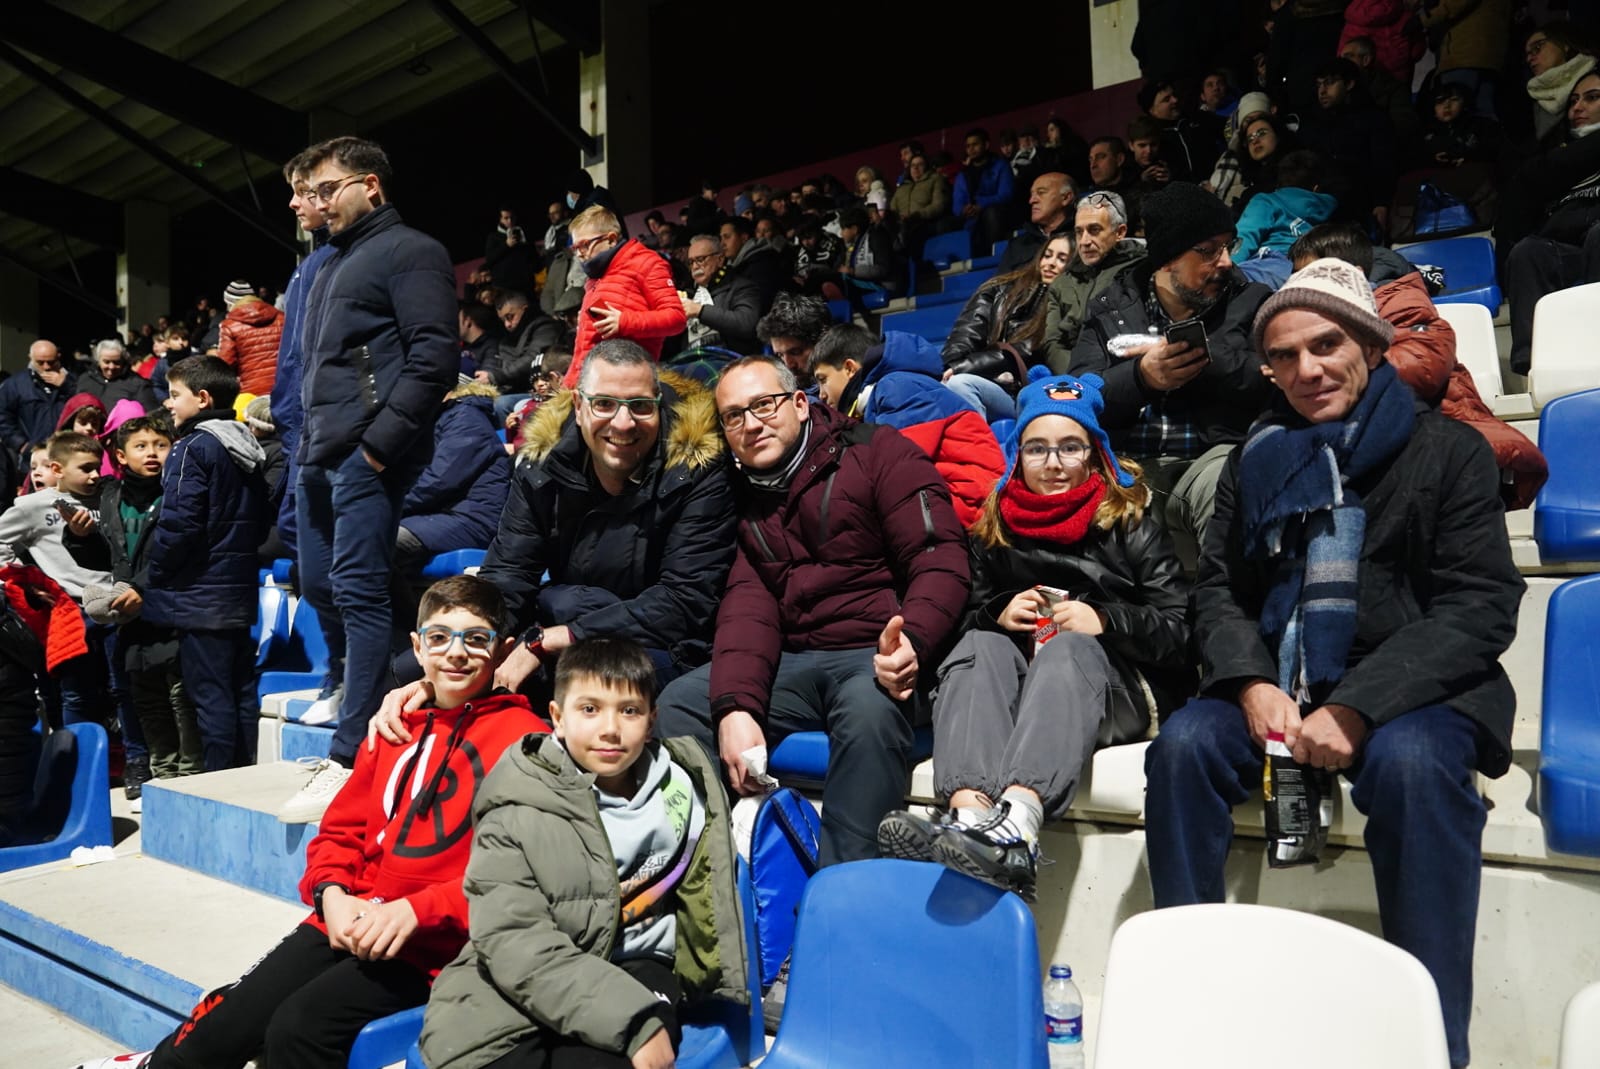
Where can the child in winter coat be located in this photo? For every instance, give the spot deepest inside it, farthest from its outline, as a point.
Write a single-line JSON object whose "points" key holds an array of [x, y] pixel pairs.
{"points": [[1272, 221], [601, 887]]}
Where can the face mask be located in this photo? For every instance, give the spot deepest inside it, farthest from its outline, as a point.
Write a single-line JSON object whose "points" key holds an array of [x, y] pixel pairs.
{"points": [[572, 200], [596, 265]]}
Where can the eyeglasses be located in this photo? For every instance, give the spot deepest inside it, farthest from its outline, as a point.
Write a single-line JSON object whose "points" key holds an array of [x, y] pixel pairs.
{"points": [[475, 640], [1259, 135], [324, 191], [585, 248], [1036, 454], [762, 408], [1211, 251], [1535, 45], [697, 261], [639, 407]]}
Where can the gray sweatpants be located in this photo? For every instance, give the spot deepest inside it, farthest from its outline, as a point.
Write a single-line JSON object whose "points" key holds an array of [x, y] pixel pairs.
{"points": [[999, 720]]}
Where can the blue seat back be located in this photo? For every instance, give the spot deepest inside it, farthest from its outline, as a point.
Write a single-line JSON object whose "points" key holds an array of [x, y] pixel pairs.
{"points": [[1566, 516], [455, 562], [72, 798], [803, 756], [839, 311], [958, 289], [1469, 271], [1569, 730], [933, 323], [880, 948], [942, 250], [387, 1040]]}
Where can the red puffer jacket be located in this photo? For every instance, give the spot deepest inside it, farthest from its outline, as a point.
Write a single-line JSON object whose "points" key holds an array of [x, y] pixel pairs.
{"points": [[640, 283], [1396, 36], [401, 826], [248, 339], [865, 532]]}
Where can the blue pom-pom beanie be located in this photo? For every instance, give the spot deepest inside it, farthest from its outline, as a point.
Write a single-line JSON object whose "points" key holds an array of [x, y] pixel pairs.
{"points": [[1074, 396]]}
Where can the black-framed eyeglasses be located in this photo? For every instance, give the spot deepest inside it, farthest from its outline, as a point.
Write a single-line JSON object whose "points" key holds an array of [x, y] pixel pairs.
{"points": [[323, 192], [1036, 453], [762, 408], [606, 406], [475, 640], [696, 261]]}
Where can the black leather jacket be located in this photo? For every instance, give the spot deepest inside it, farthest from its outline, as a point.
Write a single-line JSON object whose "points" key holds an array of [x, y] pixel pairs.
{"points": [[971, 347]]}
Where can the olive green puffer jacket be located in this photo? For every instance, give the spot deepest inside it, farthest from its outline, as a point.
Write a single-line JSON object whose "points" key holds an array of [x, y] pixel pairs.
{"points": [[544, 908]]}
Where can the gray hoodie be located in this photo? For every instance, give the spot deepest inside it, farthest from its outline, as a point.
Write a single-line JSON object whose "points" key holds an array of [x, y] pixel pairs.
{"points": [[34, 524], [238, 441]]}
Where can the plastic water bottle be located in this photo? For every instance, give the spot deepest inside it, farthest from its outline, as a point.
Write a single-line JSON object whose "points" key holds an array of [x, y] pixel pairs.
{"points": [[1063, 1019]]}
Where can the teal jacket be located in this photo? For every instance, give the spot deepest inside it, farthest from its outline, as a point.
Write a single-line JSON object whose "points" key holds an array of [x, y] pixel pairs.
{"points": [[1276, 220]]}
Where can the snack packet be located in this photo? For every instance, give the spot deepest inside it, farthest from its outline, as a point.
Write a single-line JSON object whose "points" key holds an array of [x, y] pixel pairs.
{"points": [[1299, 806], [1045, 629]]}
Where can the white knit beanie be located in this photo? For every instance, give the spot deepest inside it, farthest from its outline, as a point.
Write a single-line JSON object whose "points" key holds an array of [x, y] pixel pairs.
{"points": [[1336, 289]]}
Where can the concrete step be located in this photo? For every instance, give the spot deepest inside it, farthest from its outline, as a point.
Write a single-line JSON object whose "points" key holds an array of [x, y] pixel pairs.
{"points": [[39, 1035], [225, 825], [126, 947]]}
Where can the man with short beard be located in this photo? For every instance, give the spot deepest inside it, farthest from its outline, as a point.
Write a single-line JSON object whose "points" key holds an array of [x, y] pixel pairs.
{"points": [[1176, 408]]}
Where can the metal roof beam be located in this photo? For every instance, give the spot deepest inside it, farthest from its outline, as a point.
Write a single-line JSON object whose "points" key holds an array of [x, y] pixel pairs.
{"points": [[159, 82], [61, 208], [577, 24]]}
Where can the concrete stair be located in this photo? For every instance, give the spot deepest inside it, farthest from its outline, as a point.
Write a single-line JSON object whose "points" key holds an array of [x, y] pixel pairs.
{"points": [[37, 1035]]}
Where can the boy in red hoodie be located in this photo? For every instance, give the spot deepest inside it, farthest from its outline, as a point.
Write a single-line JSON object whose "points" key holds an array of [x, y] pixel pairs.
{"points": [[383, 874]]}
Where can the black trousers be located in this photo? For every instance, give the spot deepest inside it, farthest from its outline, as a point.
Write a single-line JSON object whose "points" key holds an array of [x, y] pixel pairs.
{"points": [[550, 1051], [300, 1007]]}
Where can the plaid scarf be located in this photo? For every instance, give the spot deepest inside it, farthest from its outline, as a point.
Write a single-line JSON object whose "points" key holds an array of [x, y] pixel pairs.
{"points": [[1300, 511]]}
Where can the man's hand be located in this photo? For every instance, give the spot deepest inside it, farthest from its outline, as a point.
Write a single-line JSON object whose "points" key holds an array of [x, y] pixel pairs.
{"points": [[1267, 710], [53, 378], [1022, 611], [609, 322], [1076, 616], [737, 733], [1329, 738], [691, 308], [82, 522], [1165, 366], [372, 461], [1157, 172], [389, 722], [338, 913], [484, 377], [378, 932], [128, 603], [655, 1053], [514, 671], [895, 663], [970, 210]]}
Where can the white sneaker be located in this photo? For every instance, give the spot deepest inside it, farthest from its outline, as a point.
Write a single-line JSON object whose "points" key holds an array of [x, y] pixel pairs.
{"points": [[121, 1061], [323, 710], [312, 801]]}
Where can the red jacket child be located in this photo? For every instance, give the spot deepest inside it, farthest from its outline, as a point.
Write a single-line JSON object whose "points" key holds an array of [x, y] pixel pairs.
{"points": [[638, 282], [401, 826]]}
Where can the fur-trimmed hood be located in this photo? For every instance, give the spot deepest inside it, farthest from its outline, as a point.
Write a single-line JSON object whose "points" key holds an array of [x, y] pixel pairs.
{"points": [[472, 388], [690, 432]]}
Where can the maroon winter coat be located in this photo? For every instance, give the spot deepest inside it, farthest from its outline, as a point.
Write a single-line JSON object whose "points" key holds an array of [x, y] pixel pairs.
{"points": [[865, 532]]}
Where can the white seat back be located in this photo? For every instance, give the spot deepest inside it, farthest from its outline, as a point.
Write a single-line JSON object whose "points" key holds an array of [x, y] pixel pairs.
{"points": [[1256, 987], [1475, 346], [1566, 353], [1580, 1030]]}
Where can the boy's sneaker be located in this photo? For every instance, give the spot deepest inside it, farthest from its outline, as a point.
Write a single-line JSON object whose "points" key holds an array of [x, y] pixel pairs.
{"points": [[312, 801], [990, 849], [325, 710], [907, 836], [136, 1060], [135, 774]]}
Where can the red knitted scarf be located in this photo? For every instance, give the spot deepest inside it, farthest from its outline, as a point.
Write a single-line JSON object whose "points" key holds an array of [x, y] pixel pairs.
{"points": [[1063, 518]]}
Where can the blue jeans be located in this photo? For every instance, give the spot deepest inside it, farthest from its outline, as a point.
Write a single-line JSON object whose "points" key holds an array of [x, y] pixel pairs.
{"points": [[869, 737], [1270, 268], [989, 398], [1412, 780], [503, 406], [347, 517]]}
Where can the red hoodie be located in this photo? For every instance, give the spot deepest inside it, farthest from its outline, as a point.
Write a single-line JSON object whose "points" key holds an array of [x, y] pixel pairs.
{"points": [[378, 838]]}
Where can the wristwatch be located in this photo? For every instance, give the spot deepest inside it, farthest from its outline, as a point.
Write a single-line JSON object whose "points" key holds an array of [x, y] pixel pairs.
{"points": [[533, 639], [316, 895]]}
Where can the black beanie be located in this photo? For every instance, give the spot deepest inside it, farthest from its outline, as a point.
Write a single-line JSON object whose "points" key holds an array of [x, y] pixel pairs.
{"points": [[1180, 217], [580, 182]]}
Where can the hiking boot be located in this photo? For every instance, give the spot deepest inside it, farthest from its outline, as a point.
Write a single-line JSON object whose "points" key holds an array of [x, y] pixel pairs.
{"points": [[990, 849], [135, 774], [307, 807], [137, 1060], [907, 836]]}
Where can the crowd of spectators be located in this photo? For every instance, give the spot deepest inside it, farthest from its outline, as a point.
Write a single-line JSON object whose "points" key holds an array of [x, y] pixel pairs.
{"points": [[1102, 509]]}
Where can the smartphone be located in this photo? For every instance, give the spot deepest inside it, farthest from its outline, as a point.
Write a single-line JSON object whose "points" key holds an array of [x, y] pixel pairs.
{"points": [[1190, 332], [595, 313], [66, 508]]}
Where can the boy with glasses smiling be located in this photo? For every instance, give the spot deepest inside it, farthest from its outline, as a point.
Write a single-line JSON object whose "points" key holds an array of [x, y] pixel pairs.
{"points": [[383, 875]]}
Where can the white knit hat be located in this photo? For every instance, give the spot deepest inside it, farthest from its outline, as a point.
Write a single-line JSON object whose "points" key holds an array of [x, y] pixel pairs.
{"points": [[1336, 289], [237, 291]]}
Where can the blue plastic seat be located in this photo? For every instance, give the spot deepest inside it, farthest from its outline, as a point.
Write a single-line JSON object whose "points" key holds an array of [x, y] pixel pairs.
{"points": [[1569, 731], [803, 756], [385, 1041], [932, 323], [942, 250], [879, 948], [73, 793], [302, 660], [1566, 516], [873, 300], [455, 562], [1002, 429], [1469, 274], [839, 311], [958, 289]]}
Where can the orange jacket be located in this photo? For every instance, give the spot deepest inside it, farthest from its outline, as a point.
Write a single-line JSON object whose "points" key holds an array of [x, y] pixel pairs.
{"points": [[639, 282], [248, 339]]}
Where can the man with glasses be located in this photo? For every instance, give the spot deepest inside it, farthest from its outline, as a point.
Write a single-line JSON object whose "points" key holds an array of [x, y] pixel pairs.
{"points": [[629, 293], [380, 354], [1103, 252], [1178, 405], [850, 577], [31, 402], [725, 306]]}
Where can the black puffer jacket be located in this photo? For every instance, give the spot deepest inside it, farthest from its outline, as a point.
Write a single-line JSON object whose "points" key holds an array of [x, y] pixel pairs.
{"points": [[971, 348], [510, 366], [649, 565], [1223, 400], [1437, 599], [1132, 576]]}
